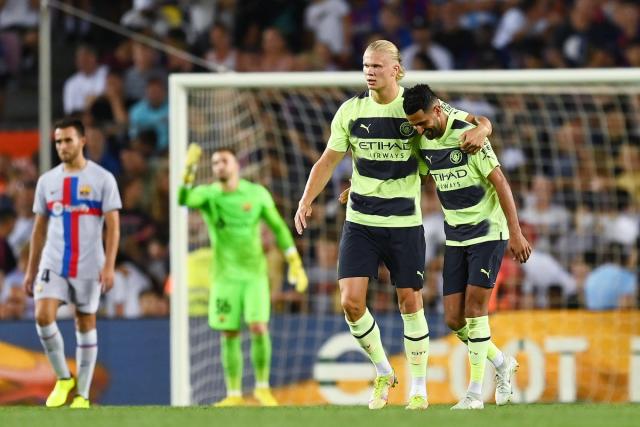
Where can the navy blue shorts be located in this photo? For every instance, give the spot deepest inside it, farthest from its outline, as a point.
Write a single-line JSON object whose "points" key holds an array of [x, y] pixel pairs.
{"points": [[402, 249], [472, 265]]}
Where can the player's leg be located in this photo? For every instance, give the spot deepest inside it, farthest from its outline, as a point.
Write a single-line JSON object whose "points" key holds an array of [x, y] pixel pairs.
{"points": [[358, 260], [225, 315], [257, 309], [404, 257], [484, 263], [50, 290], [86, 295]]}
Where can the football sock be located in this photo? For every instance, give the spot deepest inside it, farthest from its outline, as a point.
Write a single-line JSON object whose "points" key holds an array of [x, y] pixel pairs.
{"points": [[366, 332], [231, 355], [86, 355], [479, 336], [261, 358], [53, 345], [493, 352], [416, 347]]}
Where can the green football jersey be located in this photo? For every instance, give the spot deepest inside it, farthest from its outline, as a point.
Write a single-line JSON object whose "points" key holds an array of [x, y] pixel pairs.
{"points": [[233, 219], [385, 185], [472, 211]]}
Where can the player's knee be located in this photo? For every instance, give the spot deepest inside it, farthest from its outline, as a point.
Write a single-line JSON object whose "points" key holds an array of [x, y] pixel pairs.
{"points": [[475, 309], [44, 317], [353, 307], [454, 321], [258, 328], [409, 303]]}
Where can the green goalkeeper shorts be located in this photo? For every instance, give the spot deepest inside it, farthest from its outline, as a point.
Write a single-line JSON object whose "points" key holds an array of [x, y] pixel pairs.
{"points": [[232, 300]]}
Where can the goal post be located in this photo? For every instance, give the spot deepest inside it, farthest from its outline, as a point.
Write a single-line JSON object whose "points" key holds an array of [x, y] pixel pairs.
{"points": [[255, 112]]}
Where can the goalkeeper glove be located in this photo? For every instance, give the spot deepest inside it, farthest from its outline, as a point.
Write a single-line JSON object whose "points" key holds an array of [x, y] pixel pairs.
{"points": [[296, 275], [191, 166]]}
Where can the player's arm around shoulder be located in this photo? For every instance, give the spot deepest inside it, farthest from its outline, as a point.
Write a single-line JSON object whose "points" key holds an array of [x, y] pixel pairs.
{"points": [[519, 246], [473, 139]]}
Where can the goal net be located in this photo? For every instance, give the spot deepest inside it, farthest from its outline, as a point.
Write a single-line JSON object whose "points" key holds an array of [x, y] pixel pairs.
{"points": [[568, 142]]}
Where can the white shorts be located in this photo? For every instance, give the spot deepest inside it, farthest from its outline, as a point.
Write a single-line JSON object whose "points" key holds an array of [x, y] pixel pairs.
{"points": [[84, 293]]}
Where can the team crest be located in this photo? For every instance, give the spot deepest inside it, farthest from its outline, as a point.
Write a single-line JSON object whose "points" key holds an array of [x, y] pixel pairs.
{"points": [[246, 207], [455, 157], [406, 129], [85, 190]]}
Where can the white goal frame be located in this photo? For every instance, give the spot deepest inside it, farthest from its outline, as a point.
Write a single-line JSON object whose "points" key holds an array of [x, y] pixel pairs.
{"points": [[179, 84]]}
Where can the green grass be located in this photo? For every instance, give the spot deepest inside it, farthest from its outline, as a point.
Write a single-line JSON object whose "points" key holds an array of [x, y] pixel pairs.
{"points": [[561, 415]]}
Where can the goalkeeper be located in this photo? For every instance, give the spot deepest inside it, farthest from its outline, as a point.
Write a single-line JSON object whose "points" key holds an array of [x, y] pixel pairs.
{"points": [[233, 208]]}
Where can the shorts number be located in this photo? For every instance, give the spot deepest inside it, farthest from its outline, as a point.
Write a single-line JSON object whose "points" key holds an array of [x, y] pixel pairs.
{"points": [[45, 276]]}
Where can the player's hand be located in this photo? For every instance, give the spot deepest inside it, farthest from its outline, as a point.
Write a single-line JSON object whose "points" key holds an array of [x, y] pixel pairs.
{"points": [[344, 196], [300, 218], [297, 275], [27, 284], [520, 248], [191, 164], [106, 279], [472, 140]]}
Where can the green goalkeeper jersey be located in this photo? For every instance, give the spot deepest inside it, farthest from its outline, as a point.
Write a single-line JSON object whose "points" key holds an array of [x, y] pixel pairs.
{"points": [[233, 219]]}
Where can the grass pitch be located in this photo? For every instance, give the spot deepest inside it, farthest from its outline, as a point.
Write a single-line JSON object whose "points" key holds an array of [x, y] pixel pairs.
{"points": [[551, 415]]}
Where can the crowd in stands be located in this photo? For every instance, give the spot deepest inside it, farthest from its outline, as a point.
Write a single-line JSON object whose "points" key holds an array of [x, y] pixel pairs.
{"points": [[119, 88]]}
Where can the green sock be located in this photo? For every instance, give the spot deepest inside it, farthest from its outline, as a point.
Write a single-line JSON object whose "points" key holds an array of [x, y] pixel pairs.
{"points": [[231, 355], [261, 358], [366, 332], [479, 336], [493, 352], [416, 348]]}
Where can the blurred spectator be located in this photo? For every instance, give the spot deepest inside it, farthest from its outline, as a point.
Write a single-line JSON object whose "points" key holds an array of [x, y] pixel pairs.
{"points": [[392, 28], [629, 177], [128, 283], [432, 221], [97, 150], [7, 259], [110, 109], [151, 113], [275, 54], [23, 203], [551, 221], [136, 227], [323, 275], [19, 33], [319, 58], [145, 66], [221, 53], [87, 83], [611, 285], [14, 302], [328, 19], [439, 58], [580, 271], [153, 304], [542, 272]]}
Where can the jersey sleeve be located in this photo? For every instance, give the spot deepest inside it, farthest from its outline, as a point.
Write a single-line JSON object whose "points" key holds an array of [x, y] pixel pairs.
{"points": [[193, 197], [485, 160], [275, 221], [110, 195], [339, 139], [40, 201], [423, 168]]}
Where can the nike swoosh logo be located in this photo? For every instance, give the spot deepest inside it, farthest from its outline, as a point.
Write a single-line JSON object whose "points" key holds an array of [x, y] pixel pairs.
{"points": [[482, 270], [365, 127]]}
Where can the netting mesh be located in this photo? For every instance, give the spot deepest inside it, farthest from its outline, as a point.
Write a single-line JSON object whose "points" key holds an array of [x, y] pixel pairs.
{"points": [[571, 155]]}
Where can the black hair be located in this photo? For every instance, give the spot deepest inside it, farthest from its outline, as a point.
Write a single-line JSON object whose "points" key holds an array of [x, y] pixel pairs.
{"points": [[226, 149], [70, 122], [419, 97]]}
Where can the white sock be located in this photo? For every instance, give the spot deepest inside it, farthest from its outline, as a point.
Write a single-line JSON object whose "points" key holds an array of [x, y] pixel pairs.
{"points": [[418, 386], [53, 345], [475, 388], [498, 360], [86, 355]]}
